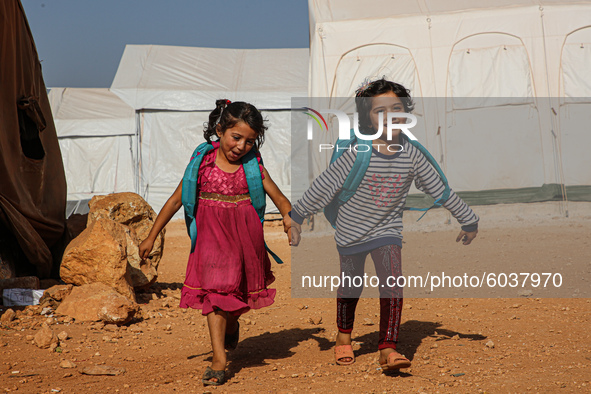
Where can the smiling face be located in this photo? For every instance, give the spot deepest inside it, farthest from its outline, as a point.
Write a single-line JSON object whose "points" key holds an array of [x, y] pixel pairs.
{"points": [[236, 141], [384, 103]]}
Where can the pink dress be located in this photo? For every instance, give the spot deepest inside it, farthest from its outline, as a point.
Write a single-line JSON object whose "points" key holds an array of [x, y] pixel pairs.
{"points": [[229, 268]]}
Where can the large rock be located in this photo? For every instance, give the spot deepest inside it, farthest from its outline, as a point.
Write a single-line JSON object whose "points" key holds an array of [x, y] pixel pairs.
{"points": [[133, 211], [99, 254], [97, 301]]}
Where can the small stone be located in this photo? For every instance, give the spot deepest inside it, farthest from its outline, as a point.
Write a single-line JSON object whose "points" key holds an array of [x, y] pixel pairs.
{"points": [[102, 370], [44, 338], [490, 344], [67, 364], [525, 293], [7, 316], [47, 311], [456, 337], [367, 322], [62, 336]]}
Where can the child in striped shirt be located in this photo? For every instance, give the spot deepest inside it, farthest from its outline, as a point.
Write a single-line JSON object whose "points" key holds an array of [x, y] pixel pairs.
{"points": [[370, 222]]}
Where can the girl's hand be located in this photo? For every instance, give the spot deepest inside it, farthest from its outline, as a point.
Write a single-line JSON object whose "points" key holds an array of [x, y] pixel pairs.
{"points": [[294, 234], [145, 248], [466, 237], [286, 223]]}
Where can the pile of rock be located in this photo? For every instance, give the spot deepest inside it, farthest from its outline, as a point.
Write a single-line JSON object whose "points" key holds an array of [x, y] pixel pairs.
{"points": [[103, 261]]}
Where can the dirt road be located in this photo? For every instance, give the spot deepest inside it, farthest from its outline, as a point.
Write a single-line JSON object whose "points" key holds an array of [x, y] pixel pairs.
{"points": [[493, 345]]}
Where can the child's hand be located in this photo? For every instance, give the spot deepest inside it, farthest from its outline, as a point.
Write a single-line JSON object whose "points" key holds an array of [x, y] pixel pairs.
{"points": [[146, 248], [286, 223], [466, 237], [294, 236]]}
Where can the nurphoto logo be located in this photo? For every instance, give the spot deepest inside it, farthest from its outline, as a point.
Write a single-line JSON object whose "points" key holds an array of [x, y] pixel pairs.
{"points": [[345, 128], [345, 124]]}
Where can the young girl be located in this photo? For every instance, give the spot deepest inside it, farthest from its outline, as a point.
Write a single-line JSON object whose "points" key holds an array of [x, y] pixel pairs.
{"points": [[370, 222], [228, 270]]}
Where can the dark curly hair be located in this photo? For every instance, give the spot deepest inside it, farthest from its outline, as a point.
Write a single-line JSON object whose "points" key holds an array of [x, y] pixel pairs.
{"points": [[375, 88], [227, 114]]}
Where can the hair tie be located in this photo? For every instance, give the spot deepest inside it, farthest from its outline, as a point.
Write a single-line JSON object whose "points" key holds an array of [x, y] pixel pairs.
{"points": [[367, 82], [226, 103]]}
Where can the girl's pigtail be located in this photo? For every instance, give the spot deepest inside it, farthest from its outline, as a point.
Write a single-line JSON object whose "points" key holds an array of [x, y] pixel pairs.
{"points": [[214, 118]]}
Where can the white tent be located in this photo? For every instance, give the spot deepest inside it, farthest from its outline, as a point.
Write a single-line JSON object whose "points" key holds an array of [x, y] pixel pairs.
{"points": [[173, 90], [97, 136], [527, 58]]}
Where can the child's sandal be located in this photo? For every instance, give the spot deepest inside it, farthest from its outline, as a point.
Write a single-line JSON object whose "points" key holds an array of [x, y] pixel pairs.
{"points": [[342, 352], [395, 361], [213, 374]]}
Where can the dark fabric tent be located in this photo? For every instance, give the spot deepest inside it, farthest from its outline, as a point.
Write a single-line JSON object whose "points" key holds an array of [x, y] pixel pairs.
{"points": [[32, 179]]}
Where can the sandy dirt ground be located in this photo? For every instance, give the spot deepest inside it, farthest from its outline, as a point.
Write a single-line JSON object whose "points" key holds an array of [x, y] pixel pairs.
{"points": [[465, 345]]}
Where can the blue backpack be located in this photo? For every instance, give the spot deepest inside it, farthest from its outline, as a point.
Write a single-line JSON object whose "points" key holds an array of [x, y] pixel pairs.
{"points": [[190, 181], [359, 168]]}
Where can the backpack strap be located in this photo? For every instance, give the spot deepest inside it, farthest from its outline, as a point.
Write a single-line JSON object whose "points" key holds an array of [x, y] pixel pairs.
{"points": [[446, 192], [355, 176], [255, 183], [256, 190], [189, 190], [358, 170]]}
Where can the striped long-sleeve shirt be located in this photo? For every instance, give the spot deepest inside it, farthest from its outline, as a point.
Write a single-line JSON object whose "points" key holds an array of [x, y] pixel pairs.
{"points": [[373, 216]]}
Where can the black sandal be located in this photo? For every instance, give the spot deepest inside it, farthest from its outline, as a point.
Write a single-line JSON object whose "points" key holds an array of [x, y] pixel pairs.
{"points": [[231, 340], [213, 374]]}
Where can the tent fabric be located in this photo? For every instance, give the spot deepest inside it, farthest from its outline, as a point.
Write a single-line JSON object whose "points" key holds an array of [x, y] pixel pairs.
{"points": [[32, 180], [81, 112], [97, 136], [526, 58], [189, 79], [344, 10]]}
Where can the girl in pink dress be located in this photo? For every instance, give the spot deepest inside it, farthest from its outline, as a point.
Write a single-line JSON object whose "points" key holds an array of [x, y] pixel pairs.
{"points": [[229, 269]]}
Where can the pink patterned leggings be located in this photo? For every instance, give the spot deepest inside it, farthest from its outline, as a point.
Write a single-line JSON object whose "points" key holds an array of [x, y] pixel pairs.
{"points": [[387, 262]]}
